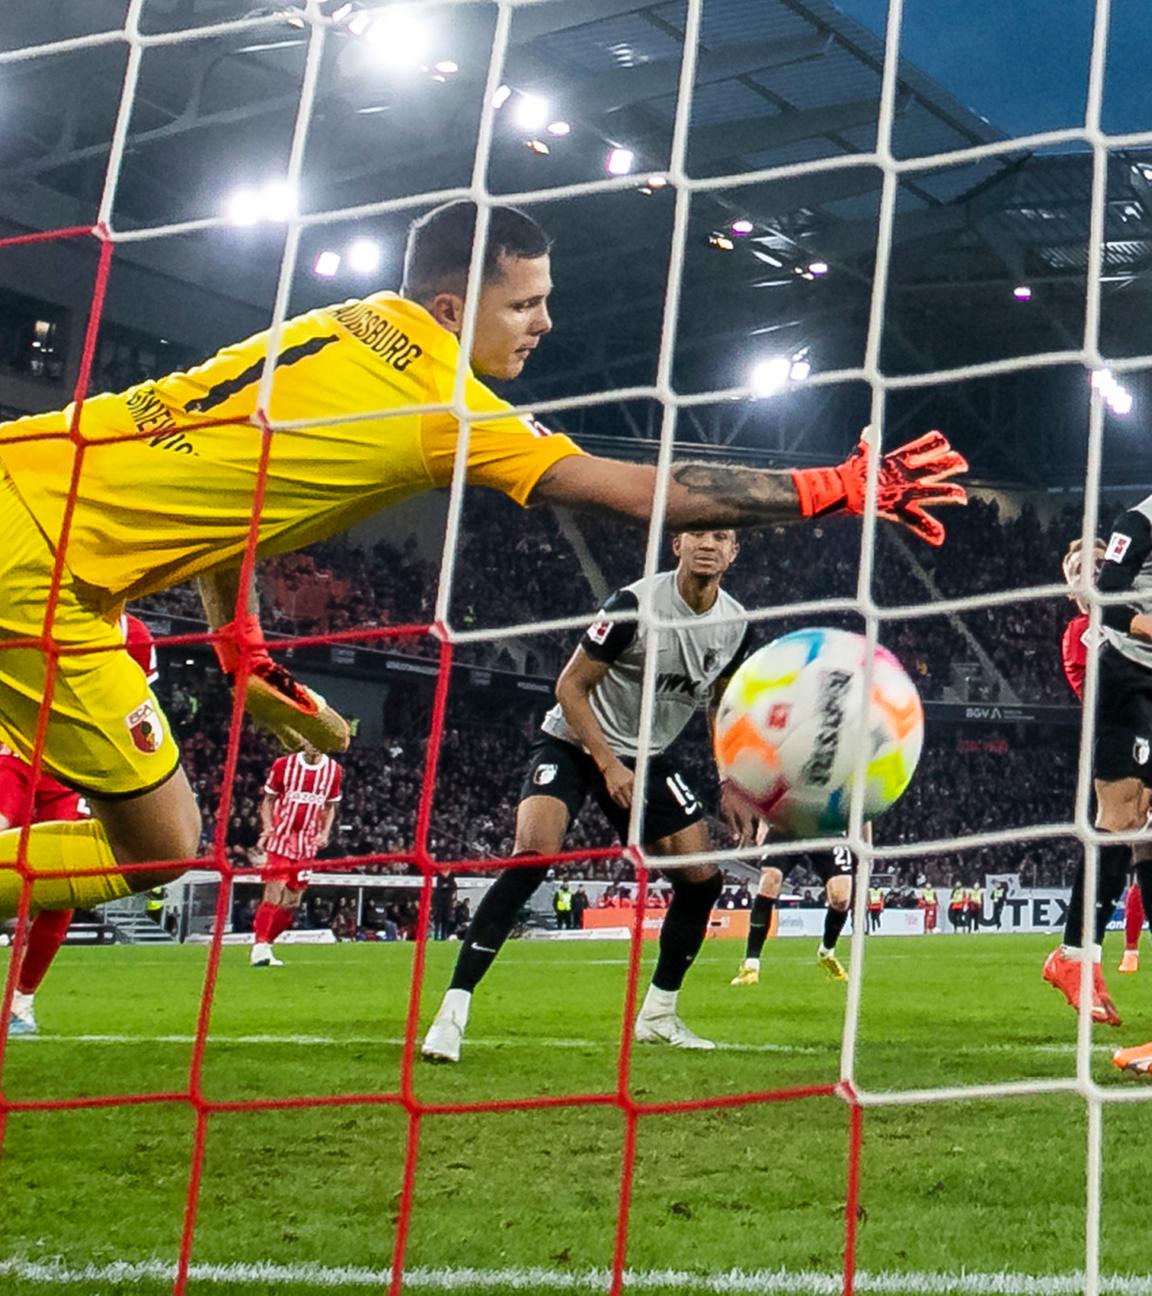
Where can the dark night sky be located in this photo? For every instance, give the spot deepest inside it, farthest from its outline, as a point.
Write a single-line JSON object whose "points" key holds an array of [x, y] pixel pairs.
{"points": [[1023, 64]]}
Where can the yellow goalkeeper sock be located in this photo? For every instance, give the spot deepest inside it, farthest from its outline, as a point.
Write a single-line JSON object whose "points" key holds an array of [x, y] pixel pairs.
{"points": [[59, 845]]}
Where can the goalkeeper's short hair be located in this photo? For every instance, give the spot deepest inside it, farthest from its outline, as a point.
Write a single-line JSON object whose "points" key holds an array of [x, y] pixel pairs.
{"points": [[439, 249]]}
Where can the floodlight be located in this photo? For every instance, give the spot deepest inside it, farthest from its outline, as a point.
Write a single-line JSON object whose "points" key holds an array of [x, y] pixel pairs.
{"points": [[1114, 394], [1121, 402], [767, 377], [559, 129], [399, 37], [538, 146], [532, 112], [326, 264], [364, 256], [1022, 292], [742, 227], [620, 161], [500, 96], [243, 207], [800, 370], [818, 268], [279, 200]]}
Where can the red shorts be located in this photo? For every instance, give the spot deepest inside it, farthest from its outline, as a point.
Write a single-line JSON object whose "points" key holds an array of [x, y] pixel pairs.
{"points": [[279, 868], [50, 800]]}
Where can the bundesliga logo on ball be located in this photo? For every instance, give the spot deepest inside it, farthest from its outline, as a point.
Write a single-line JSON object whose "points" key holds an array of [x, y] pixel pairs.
{"points": [[792, 721]]}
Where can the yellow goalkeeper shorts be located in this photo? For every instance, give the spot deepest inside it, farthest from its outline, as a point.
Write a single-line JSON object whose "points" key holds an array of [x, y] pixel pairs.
{"points": [[106, 734]]}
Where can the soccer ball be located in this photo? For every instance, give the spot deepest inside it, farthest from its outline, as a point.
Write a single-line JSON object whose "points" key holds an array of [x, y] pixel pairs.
{"points": [[791, 722]]}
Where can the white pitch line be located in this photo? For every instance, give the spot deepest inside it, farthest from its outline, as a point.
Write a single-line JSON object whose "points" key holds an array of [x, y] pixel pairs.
{"points": [[733, 1282], [516, 1041], [330, 1041]]}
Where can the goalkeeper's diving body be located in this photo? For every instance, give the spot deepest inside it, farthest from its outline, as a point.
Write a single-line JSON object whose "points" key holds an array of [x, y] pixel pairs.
{"points": [[130, 493]]}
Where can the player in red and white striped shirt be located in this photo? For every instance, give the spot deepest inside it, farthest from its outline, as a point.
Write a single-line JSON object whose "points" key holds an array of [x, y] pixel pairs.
{"points": [[50, 800], [296, 815]]}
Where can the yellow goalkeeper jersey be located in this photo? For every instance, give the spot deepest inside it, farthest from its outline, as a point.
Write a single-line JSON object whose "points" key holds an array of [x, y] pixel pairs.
{"points": [[169, 468]]}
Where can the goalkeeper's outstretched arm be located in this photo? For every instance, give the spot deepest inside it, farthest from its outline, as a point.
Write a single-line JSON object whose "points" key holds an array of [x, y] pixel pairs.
{"points": [[911, 479]]}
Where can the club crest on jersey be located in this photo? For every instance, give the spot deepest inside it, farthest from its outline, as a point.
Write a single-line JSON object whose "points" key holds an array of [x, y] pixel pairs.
{"points": [[1141, 749], [145, 728], [599, 630], [1117, 547], [544, 775]]}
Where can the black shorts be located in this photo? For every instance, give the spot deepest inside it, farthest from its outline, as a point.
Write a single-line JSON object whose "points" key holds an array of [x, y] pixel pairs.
{"points": [[1123, 719], [562, 770], [826, 864]]}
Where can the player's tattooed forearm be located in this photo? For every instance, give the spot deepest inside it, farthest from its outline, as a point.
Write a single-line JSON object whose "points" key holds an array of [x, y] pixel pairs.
{"points": [[751, 495]]}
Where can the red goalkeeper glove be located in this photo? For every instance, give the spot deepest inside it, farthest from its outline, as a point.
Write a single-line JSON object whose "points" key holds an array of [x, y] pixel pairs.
{"points": [[276, 701], [912, 479]]}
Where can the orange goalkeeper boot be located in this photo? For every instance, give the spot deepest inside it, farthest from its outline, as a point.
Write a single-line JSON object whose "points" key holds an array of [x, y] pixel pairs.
{"points": [[1103, 1009], [1138, 1060], [1063, 974], [1130, 962]]}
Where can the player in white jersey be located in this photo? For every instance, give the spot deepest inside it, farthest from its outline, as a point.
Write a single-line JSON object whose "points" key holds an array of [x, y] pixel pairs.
{"points": [[589, 746], [296, 816]]}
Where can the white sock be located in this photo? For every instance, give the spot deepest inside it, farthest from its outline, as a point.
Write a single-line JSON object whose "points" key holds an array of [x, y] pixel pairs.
{"points": [[1073, 952], [754, 964], [822, 952], [658, 1002], [456, 1004], [22, 1003]]}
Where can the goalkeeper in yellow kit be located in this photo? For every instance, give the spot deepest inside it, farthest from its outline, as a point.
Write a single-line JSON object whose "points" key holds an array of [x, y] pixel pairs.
{"points": [[165, 477]]}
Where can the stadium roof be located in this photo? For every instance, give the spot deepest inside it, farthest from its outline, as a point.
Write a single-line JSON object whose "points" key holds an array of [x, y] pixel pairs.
{"points": [[778, 82]]}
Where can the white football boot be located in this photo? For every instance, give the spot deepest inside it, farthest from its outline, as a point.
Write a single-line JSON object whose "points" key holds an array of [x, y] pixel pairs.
{"points": [[22, 1020], [446, 1034], [658, 1022], [262, 956]]}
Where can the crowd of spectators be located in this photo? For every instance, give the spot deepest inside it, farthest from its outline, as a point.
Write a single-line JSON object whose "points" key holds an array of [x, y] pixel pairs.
{"points": [[513, 566], [964, 787]]}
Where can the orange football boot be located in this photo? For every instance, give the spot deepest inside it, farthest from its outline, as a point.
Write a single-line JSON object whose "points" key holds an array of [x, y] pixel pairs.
{"points": [[1138, 1060], [1103, 1009]]}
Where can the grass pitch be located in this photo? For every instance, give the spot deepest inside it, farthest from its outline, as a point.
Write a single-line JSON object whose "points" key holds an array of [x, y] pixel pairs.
{"points": [[954, 1196]]}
